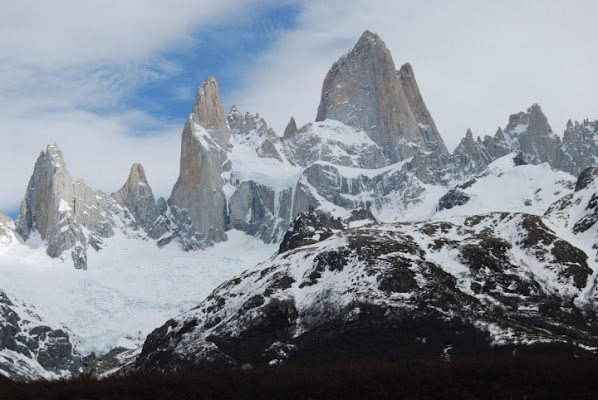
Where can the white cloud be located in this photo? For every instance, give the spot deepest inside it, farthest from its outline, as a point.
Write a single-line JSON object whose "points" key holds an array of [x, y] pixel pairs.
{"points": [[97, 148], [476, 62], [66, 67]]}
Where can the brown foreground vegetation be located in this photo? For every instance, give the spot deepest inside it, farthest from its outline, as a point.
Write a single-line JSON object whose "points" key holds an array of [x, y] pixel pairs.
{"points": [[523, 377]]}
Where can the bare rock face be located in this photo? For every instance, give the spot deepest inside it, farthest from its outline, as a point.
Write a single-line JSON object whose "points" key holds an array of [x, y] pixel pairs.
{"points": [[136, 194], [290, 130], [207, 111], [364, 90], [416, 103], [580, 146], [470, 151], [529, 133], [59, 209], [333, 142], [203, 152]]}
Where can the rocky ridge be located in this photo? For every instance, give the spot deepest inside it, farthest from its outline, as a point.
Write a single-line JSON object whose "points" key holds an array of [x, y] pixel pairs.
{"points": [[237, 173], [491, 282], [483, 275]]}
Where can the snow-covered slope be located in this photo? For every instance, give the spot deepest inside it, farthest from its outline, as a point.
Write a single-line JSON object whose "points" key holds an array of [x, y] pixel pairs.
{"points": [[240, 186], [505, 186], [131, 286], [35, 347], [464, 284]]}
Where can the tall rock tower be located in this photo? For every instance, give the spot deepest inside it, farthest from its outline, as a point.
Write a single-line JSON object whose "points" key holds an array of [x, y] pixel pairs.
{"points": [[206, 138], [365, 91]]}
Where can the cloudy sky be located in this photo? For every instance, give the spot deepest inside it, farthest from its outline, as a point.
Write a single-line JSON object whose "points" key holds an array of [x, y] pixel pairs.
{"points": [[111, 82]]}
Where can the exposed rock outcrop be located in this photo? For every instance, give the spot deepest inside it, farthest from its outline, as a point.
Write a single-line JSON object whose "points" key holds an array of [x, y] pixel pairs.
{"points": [[472, 152], [580, 146], [453, 198], [62, 210], [529, 133], [203, 152], [364, 90], [34, 348], [336, 143], [493, 282], [137, 196], [426, 124]]}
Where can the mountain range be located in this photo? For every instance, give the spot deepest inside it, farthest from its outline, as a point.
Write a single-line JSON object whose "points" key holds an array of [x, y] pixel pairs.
{"points": [[377, 225]]}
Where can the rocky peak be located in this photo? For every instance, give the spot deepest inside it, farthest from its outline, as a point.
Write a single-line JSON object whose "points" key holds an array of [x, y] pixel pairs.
{"points": [[290, 130], [136, 194], [235, 119], [425, 122], [364, 90], [533, 121], [529, 133], [580, 146], [207, 111], [58, 208], [4, 219], [198, 188], [473, 151], [49, 192]]}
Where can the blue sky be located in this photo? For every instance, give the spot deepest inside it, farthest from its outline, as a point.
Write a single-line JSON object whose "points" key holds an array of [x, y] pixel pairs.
{"points": [[112, 82], [224, 49]]}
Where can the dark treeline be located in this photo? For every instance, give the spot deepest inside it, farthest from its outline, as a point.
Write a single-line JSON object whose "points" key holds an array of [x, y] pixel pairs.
{"points": [[523, 377]]}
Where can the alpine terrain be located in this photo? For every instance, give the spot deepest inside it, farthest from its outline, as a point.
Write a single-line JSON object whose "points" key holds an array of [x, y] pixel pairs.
{"points": [[361, 235]]}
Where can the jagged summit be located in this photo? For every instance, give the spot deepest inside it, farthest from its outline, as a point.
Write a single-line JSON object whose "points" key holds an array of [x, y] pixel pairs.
{"points": [[136, 194], [290, 130], [364, 90], [207, 110], [62, 210], [424, 120], [205, 138]]}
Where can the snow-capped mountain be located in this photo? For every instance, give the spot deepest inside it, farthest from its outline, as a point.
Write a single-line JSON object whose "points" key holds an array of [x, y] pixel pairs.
{"points": [[374, 145], [449, 286], [393, 231]]}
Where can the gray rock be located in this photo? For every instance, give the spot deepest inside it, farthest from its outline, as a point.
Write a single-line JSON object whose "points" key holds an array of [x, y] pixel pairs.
{"points": [[203, 152], [580, 147], [58, 208], [364, 90], [137, 196], [253, 130], [261, 211], [471, 154], [174, 225], [335, 143], [290, 130], [426, 124], [453, 198]]}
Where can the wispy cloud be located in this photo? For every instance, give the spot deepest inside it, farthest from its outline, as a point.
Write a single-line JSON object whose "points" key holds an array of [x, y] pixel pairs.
{"points": [[105, 81]]}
